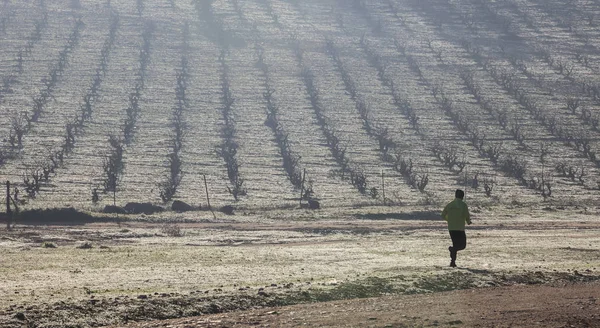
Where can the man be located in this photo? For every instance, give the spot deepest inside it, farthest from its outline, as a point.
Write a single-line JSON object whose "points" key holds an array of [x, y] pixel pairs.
{"points": [[456, 213]]}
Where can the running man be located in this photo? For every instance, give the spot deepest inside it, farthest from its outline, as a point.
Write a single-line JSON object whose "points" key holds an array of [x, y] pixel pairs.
{"points": [[456, 213]]}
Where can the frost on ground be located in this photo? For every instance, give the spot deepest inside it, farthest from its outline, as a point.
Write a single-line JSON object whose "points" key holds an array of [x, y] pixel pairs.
{"points": [[135, 270]]}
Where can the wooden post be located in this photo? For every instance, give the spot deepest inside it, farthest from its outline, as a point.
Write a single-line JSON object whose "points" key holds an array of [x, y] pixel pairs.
{"points": [[8, 209], [302, 187], [466, 181], [207, 196], [383, 186]]}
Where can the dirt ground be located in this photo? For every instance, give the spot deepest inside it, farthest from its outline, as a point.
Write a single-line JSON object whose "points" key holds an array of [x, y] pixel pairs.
{"points": [[564, 305], [376, 266]]}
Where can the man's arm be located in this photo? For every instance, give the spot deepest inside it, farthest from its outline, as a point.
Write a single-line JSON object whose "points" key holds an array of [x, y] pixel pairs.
{"points": [[468, 216], [445, 213]]}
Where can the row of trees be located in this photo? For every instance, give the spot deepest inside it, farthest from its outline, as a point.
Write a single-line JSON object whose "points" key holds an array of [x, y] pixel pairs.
{"points": [[21, 122], [511, 125], [34, 177], [35, 36], [387, 146], [401, 163], [578, 139], [291, 160], [449, 155], [168, 187], [560, 64], [229, 145], [507, 162], [348, 171], [113, 164], [563, 66], [506, 120]]}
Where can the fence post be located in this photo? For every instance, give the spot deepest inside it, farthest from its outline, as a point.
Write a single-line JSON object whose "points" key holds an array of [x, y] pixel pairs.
{"points": [[383, 186], [302, 187], [208, 197], [8, 209]]}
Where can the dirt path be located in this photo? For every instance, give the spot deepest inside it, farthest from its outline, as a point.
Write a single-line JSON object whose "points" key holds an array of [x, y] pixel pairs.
{"points": [[567, 305]]}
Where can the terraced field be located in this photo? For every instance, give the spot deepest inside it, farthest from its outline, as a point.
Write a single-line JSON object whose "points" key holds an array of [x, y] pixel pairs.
{"points": [[368, 102]]}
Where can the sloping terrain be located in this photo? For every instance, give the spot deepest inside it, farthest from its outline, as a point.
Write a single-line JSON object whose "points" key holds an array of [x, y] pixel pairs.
{"points": [[376, 109], [358, 102]]}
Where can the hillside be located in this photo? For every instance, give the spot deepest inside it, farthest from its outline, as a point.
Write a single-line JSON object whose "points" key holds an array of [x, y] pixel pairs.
{"points": [[365, 101]]}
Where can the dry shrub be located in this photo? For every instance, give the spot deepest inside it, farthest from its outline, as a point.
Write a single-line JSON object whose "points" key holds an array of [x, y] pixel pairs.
{"points": [[85, 245], [48, 244], [171, 230]]}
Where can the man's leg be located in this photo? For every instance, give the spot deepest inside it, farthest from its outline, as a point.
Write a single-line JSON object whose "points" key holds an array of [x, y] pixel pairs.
{"points": [[452, 256], [459, 242]]}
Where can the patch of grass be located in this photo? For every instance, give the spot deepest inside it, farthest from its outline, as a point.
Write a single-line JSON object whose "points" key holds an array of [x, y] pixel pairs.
{"points": [[446, 282], [369, 287]]}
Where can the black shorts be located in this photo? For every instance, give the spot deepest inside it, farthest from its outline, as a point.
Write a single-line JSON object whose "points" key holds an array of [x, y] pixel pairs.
{"points": [[459, 239]]}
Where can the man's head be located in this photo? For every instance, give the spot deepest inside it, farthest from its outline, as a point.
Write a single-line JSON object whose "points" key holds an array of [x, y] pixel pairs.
{"points": [[459, 194]]}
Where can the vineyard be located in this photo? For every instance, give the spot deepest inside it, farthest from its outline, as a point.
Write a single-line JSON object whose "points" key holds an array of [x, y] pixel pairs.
{"points": [[341, 102], [372, 111]]}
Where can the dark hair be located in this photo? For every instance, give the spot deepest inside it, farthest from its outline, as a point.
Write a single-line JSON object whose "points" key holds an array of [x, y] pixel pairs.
{"points": [[459, 194]]}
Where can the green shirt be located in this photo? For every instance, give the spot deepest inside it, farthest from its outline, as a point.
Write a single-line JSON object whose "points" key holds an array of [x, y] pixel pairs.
{"points": [[456, 213]]}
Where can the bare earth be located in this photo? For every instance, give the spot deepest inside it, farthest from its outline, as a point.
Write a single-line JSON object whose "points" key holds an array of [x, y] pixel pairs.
{"points": [[354, 267], [566, 305]]}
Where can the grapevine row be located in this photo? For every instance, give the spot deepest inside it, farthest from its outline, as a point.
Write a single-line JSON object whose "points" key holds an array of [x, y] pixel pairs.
{"points": [[21, 123], [169, 186], [229, 146], [386, 145], [113, 164], [508, 81], [291, 161], [35, 37], [575, 173], [348, 171], [32, 180], [510, 164]]}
